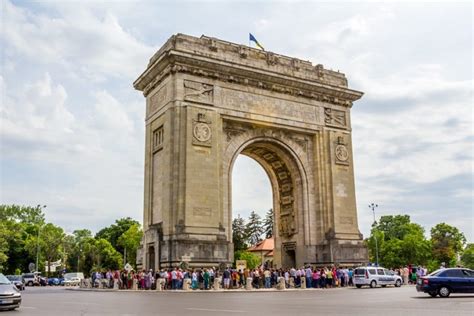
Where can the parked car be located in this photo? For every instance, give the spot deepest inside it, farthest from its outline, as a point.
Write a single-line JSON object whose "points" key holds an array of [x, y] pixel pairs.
{"points": [[31, 279], [73, 278], [443, 282], [55, 281], [17, 280], [373, 276], [10, 296], [43, 281]]}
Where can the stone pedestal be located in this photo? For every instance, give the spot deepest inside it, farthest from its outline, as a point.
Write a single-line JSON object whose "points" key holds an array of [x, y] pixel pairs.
{"points": [[303, 282], [292, 282], [248, 285], [135, 285], [187, 285], [100, 285], [281, 284], [217, 283], [160, 284], [116, 284]]}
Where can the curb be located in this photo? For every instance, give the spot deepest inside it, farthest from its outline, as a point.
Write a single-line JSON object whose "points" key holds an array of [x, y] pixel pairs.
{"points": [[205, 291]]}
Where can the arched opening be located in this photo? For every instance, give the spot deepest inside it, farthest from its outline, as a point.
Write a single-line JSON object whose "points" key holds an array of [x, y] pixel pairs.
{"points": [[252, 200], [285, 178]]}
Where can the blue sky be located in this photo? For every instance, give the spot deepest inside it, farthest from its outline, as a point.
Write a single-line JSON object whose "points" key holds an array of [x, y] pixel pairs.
{"points": [[72, 131]]}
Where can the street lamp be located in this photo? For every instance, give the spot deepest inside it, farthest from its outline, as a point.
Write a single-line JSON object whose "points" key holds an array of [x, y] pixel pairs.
{"points": [[373, 206], [37, 240]]}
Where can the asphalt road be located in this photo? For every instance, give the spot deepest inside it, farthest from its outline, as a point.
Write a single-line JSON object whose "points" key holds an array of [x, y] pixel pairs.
{"points": [[347, 301]]}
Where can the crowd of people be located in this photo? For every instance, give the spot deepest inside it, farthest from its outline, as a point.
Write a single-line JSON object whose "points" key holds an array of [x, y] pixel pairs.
{"points": [[203, 278]]}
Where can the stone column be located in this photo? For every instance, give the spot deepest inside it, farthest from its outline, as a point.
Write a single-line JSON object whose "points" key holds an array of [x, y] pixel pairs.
{"points": [[292, 282], [135, 284], [217, 283], [248, 285], [187, 285], [303, 282], [281, 284], [160, 283]]}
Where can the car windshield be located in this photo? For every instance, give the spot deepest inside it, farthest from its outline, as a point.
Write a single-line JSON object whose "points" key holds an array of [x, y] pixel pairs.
{"points": [[4, 280]]}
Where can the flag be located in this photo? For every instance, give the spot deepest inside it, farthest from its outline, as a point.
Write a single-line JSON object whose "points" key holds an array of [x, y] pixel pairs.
{"points": [[253, 39]]}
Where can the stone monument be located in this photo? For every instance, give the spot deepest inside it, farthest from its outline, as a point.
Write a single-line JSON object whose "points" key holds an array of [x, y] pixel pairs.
{"points": [[207, 101]]}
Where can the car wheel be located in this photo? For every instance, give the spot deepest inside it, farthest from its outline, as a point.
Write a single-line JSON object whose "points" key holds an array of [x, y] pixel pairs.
{"points": [[30, 283], [398, 283], [373, 284], [444, 291], [358, 286], [433, 294]]}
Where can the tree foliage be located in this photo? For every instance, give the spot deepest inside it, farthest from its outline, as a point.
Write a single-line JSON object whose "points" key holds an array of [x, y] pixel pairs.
{"points": [[467, 257], [268, 224], [49, 241], [239, 234], [252, 259], [113, 232], [254, 228], [130, 241], [447, 242], [400, 242]]}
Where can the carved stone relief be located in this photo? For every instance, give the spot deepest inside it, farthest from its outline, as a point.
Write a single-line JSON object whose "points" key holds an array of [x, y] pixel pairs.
{"points": [[287, 217], [335, 118], [198, 92]]}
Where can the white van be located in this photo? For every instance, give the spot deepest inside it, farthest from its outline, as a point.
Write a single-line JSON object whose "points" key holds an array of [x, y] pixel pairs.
{"points": [[73, 278], [374, 276]]}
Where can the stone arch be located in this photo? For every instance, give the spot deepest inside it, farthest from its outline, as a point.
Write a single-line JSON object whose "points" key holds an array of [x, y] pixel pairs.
{"points": [[285, 162]]}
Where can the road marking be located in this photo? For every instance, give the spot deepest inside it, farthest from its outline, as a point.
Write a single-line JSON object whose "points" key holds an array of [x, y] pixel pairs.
{"points": [[27, 307], [215, 310]]}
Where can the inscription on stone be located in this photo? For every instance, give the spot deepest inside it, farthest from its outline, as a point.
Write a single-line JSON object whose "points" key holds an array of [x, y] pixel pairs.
{"points": [[273, 107], [202, 211]]}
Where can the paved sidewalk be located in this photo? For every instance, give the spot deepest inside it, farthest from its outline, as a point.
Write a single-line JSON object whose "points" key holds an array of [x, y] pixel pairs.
{"points": [[208, 291]]}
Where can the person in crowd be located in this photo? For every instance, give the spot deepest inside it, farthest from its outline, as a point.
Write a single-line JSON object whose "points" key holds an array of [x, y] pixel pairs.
{"points": [[226, 278], [206, 278]]}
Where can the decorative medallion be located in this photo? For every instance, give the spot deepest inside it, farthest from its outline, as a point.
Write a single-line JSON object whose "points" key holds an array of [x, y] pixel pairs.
{"points": [[202, 132], [341, 153]]}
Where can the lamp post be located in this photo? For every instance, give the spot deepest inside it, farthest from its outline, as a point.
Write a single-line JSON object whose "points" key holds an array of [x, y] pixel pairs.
{"points": [[373, 206], [37, 240]]}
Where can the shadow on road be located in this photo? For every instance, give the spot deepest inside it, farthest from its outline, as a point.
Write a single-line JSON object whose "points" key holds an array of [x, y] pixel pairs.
{"points": [[427, 297]]}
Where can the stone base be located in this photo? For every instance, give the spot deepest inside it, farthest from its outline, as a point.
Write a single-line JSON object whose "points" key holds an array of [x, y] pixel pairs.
{"points": [[196, 253], [342, 252]]}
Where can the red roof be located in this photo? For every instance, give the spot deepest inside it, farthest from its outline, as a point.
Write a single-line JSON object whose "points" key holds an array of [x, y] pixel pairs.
{"points": [[264, 245]]}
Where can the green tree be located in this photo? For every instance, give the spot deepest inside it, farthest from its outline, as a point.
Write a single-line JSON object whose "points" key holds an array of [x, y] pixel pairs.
{"points": [[252, 259], [130, 241], [447, 241], [254, 228], [239, 234], [467, 257], [18, 223], [113, 232], [103, 255], [50, 243], [268, 224], [78, 252], [3, 246]]}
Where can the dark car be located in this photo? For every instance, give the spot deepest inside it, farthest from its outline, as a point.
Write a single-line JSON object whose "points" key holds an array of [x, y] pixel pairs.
{"points": [[10, 296], [17, 280], [443, 282], [55, 281]]}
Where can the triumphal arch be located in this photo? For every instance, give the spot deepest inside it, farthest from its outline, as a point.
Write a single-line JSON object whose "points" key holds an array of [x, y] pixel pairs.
{"points": [[207, 101]]}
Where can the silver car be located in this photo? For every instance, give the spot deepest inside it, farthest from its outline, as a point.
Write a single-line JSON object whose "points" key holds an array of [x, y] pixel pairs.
{"points": [[10, 296], [373, 276]]}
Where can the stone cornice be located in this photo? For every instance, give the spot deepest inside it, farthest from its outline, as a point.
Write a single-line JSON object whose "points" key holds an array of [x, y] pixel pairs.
{"points": [[322, 85]]}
